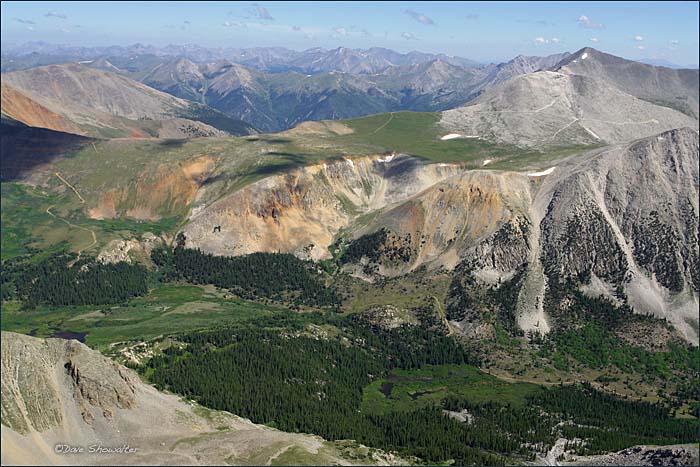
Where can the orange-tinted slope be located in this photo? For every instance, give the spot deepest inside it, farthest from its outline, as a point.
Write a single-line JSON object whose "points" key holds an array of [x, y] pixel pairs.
{"points": [[23, 109]]}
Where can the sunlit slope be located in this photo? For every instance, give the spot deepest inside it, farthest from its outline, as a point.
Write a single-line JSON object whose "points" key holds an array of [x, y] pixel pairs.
{"points": [[75, 98]]}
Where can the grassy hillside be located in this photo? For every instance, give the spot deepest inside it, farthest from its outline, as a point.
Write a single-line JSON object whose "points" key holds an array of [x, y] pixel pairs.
{"points": [[142, 185], [165, 310]]}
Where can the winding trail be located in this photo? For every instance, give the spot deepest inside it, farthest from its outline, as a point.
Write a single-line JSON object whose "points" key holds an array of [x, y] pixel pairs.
{"points": [[82, 200], [565, 127], [92, 232], [518, 111], [69, 186], [391, 117]]}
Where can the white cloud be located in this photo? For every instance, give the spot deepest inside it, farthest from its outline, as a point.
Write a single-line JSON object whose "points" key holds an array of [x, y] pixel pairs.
{"points": [[419, 17], [640, 47], [66, 30], [408, 36], [296, 28], [673, 44], [23, 21], [595, 39], [340, 32], [56, 14], [262, 12], [472, 16], [30, 28], [638, 38], [586, 22], [543, 40], [232, 24]]}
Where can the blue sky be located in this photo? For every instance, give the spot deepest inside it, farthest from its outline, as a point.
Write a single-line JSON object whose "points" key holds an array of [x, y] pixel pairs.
{"points": [[485, 31]]}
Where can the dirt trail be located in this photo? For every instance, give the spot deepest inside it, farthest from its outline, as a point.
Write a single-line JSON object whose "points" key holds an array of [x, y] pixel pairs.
{"points": [[92, 232], [69, 186], [391, 117], [82, 200], [443, 317], [518, 111], [565, 127]]}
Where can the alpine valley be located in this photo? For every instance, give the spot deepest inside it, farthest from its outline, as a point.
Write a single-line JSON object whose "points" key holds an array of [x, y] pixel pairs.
{"points": [[348, 256]]}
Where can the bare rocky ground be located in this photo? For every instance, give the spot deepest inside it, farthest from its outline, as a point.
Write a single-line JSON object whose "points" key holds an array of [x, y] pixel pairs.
{"points": [[640, 455], [60, 396], [550, 108]]}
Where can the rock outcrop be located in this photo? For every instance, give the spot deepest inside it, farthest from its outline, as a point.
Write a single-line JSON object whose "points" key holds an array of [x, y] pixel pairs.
{"points": [[62, 402], [302, 211]]}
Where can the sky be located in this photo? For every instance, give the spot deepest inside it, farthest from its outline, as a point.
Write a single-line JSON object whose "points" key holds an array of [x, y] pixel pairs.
{"points": [[482, 31]]}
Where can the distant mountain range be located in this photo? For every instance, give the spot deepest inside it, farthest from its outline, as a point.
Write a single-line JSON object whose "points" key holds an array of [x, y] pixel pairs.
{"points": [[274, 89], [272, 59]]}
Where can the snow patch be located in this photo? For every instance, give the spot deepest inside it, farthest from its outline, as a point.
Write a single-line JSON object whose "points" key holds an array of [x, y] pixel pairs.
{"points": [[591, 132], [455, 136], [584, 56], [451, 136], [660, 138], [350, 162], [543, 173], [486, 162], [87, 61], [387, 158]]}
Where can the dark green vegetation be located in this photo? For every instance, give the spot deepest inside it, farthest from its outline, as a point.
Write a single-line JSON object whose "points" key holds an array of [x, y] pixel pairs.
{"points": [[596, 347], [380, 247], [63, 279], [167, 308], [365, 246], [467, 299], [344, 378], [270, 321], [281, 277], [609, 423], [604, 422], [22, 212], [316, 385], [404, 389], [218, 120]]}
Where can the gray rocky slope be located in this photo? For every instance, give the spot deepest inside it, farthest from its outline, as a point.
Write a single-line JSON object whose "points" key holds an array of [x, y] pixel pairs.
{"points": [[624, 216], [674, 88], [548, 108]]}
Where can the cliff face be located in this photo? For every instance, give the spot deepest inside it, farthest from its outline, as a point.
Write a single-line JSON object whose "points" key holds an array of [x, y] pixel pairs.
{"points": [[302, 211], [629, 216], [626, 216]]}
